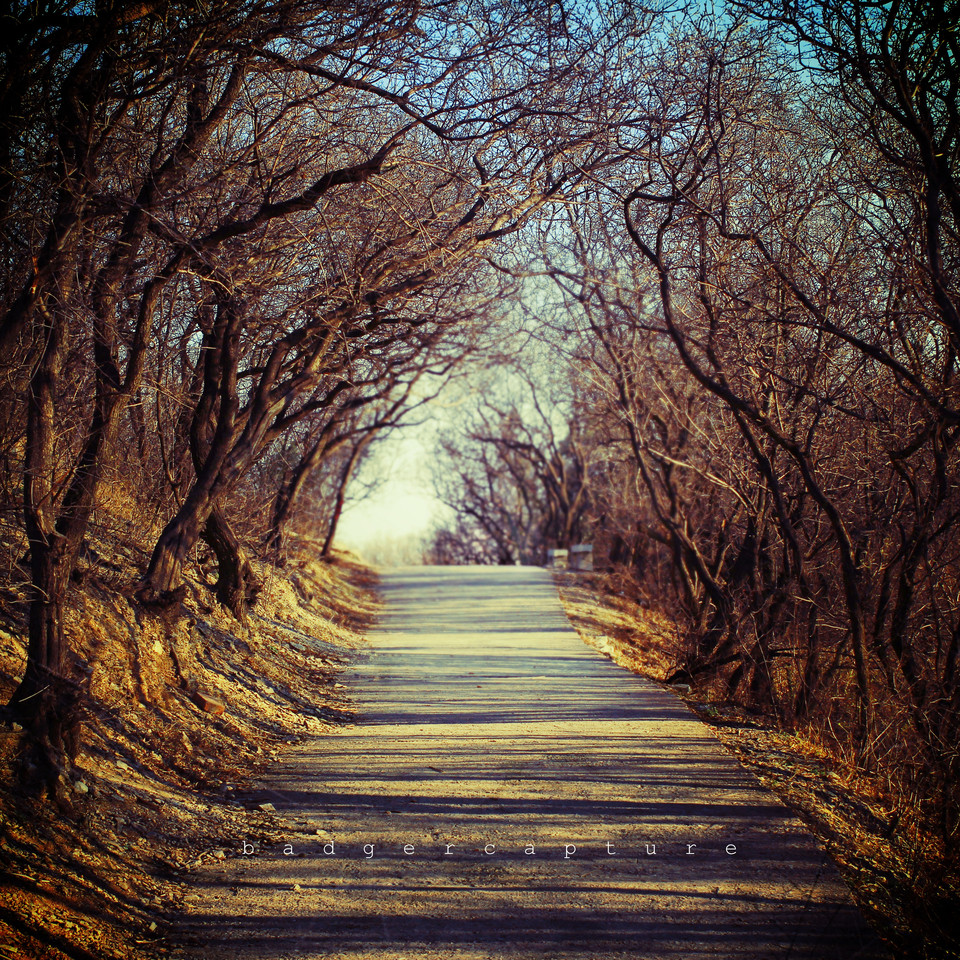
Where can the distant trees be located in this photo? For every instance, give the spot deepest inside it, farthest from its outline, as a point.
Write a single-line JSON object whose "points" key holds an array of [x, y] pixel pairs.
{"points": [[514, 474]]}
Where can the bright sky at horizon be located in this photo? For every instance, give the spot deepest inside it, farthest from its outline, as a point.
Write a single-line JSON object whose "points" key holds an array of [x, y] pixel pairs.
{"points": [[401, 509]]}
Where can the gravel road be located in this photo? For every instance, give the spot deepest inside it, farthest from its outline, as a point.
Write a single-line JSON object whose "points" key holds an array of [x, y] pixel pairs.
{"points": [[509, 793]]}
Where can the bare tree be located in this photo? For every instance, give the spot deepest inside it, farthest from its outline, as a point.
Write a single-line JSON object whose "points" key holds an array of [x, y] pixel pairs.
{"points": [[515, 475], [265, 202]]}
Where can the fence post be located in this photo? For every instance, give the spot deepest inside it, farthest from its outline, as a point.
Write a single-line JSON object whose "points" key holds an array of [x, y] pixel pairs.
{"points": [[581, 556]]}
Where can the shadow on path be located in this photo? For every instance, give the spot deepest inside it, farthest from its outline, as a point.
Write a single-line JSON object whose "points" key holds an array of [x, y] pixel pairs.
{"points": [[508, 793]]}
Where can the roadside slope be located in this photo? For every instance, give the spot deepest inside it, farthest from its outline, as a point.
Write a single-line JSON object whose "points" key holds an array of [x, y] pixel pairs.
{"points": [[177, 712]]}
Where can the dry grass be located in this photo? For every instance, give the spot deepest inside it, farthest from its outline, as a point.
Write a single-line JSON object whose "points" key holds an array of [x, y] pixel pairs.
{"points": [[157, 785], [630, 634], [877, 837]]}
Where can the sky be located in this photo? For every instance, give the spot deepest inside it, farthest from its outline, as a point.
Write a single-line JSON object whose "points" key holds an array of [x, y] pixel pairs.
{"points": [[389, 523], [391, 509]]}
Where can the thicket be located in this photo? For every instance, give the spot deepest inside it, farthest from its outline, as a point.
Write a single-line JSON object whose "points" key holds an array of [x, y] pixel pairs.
{"points": [[240, 240], [752, 339]]}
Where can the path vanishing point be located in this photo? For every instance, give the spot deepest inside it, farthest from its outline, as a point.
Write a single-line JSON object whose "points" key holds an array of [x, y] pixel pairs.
{"points": [[509, 793]]}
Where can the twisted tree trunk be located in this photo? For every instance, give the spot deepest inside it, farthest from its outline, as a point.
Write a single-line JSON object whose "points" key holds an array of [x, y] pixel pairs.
{"points": [[237, 585]]}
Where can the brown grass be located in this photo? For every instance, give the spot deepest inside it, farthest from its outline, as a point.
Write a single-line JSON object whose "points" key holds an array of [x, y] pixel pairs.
{"points": [[632, 635], [881, 841], [157, 784]]}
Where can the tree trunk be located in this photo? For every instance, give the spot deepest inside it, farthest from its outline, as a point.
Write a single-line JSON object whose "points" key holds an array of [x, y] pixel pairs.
{"points": [[288, 497], [46, 650], [45, 699], [200, 516], [237, 586], [161, 583], [345, 476]]}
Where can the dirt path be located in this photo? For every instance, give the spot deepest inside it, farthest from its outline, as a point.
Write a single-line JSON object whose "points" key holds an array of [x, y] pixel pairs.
{"points": [[509, 793]]}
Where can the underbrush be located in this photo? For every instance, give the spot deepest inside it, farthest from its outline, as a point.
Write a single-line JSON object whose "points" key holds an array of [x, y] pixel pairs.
{"points": [[178, 711], [878, 823]]}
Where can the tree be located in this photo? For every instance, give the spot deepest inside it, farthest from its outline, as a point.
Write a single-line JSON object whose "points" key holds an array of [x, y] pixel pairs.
{"points": [[515, 476], [264, 201]]}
